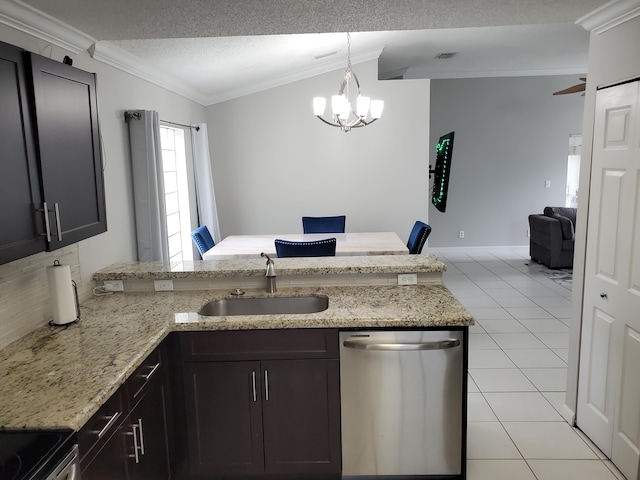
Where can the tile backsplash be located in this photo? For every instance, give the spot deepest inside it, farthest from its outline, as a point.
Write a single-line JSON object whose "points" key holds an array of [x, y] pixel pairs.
{"points": [[24, 291]]}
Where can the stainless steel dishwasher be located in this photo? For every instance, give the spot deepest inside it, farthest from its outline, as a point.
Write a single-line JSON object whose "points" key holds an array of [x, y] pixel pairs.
{"points": [[402, 403]]}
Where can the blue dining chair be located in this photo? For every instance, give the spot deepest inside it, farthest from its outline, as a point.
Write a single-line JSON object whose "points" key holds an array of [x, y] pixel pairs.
{"points": [[324, 224], [316, 248], [203, 239], [418, 237]]}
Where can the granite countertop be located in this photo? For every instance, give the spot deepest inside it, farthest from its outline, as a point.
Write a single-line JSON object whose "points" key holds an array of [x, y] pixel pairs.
{"points": [[60, 376], [284, 266]]}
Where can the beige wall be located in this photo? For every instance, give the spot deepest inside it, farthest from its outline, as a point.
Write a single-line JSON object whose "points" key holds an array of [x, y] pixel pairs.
{"points": [[274, 162]]}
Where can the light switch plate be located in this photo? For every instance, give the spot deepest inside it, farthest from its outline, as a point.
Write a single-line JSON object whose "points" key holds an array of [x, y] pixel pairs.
{"points": [[407, 279], [163, 285]]}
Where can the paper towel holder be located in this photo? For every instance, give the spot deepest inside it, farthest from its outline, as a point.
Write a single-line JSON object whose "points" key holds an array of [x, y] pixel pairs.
{"points": [[56, 263]]}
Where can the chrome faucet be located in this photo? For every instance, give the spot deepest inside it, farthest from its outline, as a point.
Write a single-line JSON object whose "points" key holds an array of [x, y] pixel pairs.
{"points": [[271, 274]]}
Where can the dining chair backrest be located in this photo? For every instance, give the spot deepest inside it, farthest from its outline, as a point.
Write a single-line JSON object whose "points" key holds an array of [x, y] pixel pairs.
{"points": [[316, 248], [324, 224], [203, 239], [418, 237]]}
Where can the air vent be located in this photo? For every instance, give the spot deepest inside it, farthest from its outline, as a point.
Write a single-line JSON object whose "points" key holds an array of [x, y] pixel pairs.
{"points": [[446, 56]]}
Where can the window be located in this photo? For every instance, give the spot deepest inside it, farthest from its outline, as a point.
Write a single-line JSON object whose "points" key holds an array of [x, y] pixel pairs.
{"points": [[176, 191], [573, 170]]}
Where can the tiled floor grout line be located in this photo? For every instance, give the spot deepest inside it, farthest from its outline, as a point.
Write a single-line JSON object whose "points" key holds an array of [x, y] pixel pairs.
{"points": [[473, 274]]}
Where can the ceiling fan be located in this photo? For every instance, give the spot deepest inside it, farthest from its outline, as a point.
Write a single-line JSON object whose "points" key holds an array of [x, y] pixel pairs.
{"points": [[580, 87]]}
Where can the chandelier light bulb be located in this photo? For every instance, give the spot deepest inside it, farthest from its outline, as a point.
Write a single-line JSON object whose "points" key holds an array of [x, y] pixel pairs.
{"points": [[319, 105], [376, 108]]}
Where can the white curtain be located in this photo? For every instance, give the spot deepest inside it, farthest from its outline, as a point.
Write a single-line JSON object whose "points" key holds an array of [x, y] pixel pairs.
{"points": [[205, 197], [148, 185]]}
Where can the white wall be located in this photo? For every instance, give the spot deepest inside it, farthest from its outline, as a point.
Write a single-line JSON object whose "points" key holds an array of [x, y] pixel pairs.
{"points": [[274, 162], [613, 57], [512, 134], [117, 92]]}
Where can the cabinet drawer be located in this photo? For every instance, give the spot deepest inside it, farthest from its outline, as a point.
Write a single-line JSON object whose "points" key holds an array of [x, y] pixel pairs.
{"points": [[103, 424], [150, 369], [259, 344]]}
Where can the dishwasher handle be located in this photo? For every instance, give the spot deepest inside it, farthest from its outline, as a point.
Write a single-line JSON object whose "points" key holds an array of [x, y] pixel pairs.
{"points": [[400, 347]]}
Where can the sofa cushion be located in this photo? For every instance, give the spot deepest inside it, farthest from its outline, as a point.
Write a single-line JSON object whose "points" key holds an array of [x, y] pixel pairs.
{"points": [[567, 218]]}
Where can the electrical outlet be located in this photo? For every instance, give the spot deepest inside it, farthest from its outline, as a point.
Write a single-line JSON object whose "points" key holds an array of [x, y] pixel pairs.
{"points": [[461, 234], [547, 184], [113, 285], [407, 279], [163, 285]]}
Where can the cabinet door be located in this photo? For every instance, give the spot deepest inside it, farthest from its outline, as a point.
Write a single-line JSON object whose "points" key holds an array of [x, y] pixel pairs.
{"points": [[224, 423], [148, 422], [111, 461], [301, 416], [19, 179], [69, 149]]}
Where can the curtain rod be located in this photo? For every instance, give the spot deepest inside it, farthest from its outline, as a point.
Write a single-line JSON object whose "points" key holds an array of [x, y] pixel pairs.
{"points": [[129, 114], [181, 125]]}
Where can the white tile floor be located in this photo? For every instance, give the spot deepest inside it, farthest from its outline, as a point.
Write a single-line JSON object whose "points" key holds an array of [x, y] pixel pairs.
{"points": [[517, 370]]}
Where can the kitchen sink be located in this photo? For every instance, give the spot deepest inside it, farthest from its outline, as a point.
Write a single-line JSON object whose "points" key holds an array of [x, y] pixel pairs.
{"points": [[265, 305]]}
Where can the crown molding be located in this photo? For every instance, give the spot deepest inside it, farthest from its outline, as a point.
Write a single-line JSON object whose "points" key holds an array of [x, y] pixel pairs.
{"points": [[300, 74], [610, 15], [24, 18], [116, 57]]}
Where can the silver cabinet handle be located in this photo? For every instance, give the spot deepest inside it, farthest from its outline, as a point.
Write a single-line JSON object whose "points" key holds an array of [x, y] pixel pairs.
{"points": [[57, 212], [253, 381], [266, 385], [141, 436], [153, 370], [47, 227], [111, 421], [134, 429], [395, 347]]}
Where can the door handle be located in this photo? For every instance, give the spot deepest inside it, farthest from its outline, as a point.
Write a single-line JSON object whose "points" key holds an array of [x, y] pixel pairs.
{"points": [[110, 422], [56, 209], [266, 385], [136, 447], [47, 227], [402, 347], [253, 385], [141, 436]]}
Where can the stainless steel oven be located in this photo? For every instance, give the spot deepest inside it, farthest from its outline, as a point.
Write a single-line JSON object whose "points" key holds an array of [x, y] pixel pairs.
{"points": [[402, 395], [39, 455]]}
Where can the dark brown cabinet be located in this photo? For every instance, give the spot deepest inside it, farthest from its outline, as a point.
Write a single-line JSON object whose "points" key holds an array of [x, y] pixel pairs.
{"points": [[128, 437], [19, 174], [262, 403], [68, 143], [51, 178]]}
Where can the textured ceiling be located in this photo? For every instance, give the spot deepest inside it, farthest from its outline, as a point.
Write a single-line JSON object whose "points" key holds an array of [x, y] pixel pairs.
{"points": [[226, 48]]}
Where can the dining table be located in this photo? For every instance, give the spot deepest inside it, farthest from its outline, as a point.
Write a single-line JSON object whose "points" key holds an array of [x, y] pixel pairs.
{"points": [[357, 243]]}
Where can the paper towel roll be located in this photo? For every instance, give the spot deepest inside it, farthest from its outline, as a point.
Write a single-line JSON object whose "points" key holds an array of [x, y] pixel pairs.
{"points": [[62, 295]]}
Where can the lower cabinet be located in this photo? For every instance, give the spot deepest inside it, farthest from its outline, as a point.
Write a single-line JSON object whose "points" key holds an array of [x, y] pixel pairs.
{"points": [[271, 411], [128, 437]]}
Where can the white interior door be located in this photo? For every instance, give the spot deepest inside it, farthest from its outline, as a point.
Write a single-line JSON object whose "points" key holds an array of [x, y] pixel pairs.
{"points": [[609, 382]]}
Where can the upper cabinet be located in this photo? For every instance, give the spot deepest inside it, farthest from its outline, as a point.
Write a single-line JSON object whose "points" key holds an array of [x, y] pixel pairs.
{"points": [[51, 173], [19, 175], [69, 149]]}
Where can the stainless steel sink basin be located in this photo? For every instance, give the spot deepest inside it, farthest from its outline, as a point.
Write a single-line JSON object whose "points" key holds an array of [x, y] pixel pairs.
{"points": [[265, 305]]}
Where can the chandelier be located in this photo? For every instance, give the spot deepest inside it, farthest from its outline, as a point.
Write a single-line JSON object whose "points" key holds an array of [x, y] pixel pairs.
{"points": [[344, 116]]}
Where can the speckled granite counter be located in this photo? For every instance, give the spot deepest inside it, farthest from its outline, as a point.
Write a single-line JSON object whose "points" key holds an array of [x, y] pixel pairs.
{"points": [[59, 377], [373, 264]]}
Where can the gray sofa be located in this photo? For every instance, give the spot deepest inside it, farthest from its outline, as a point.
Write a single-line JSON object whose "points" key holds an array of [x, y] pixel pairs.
{"points": [[552, 236]]}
